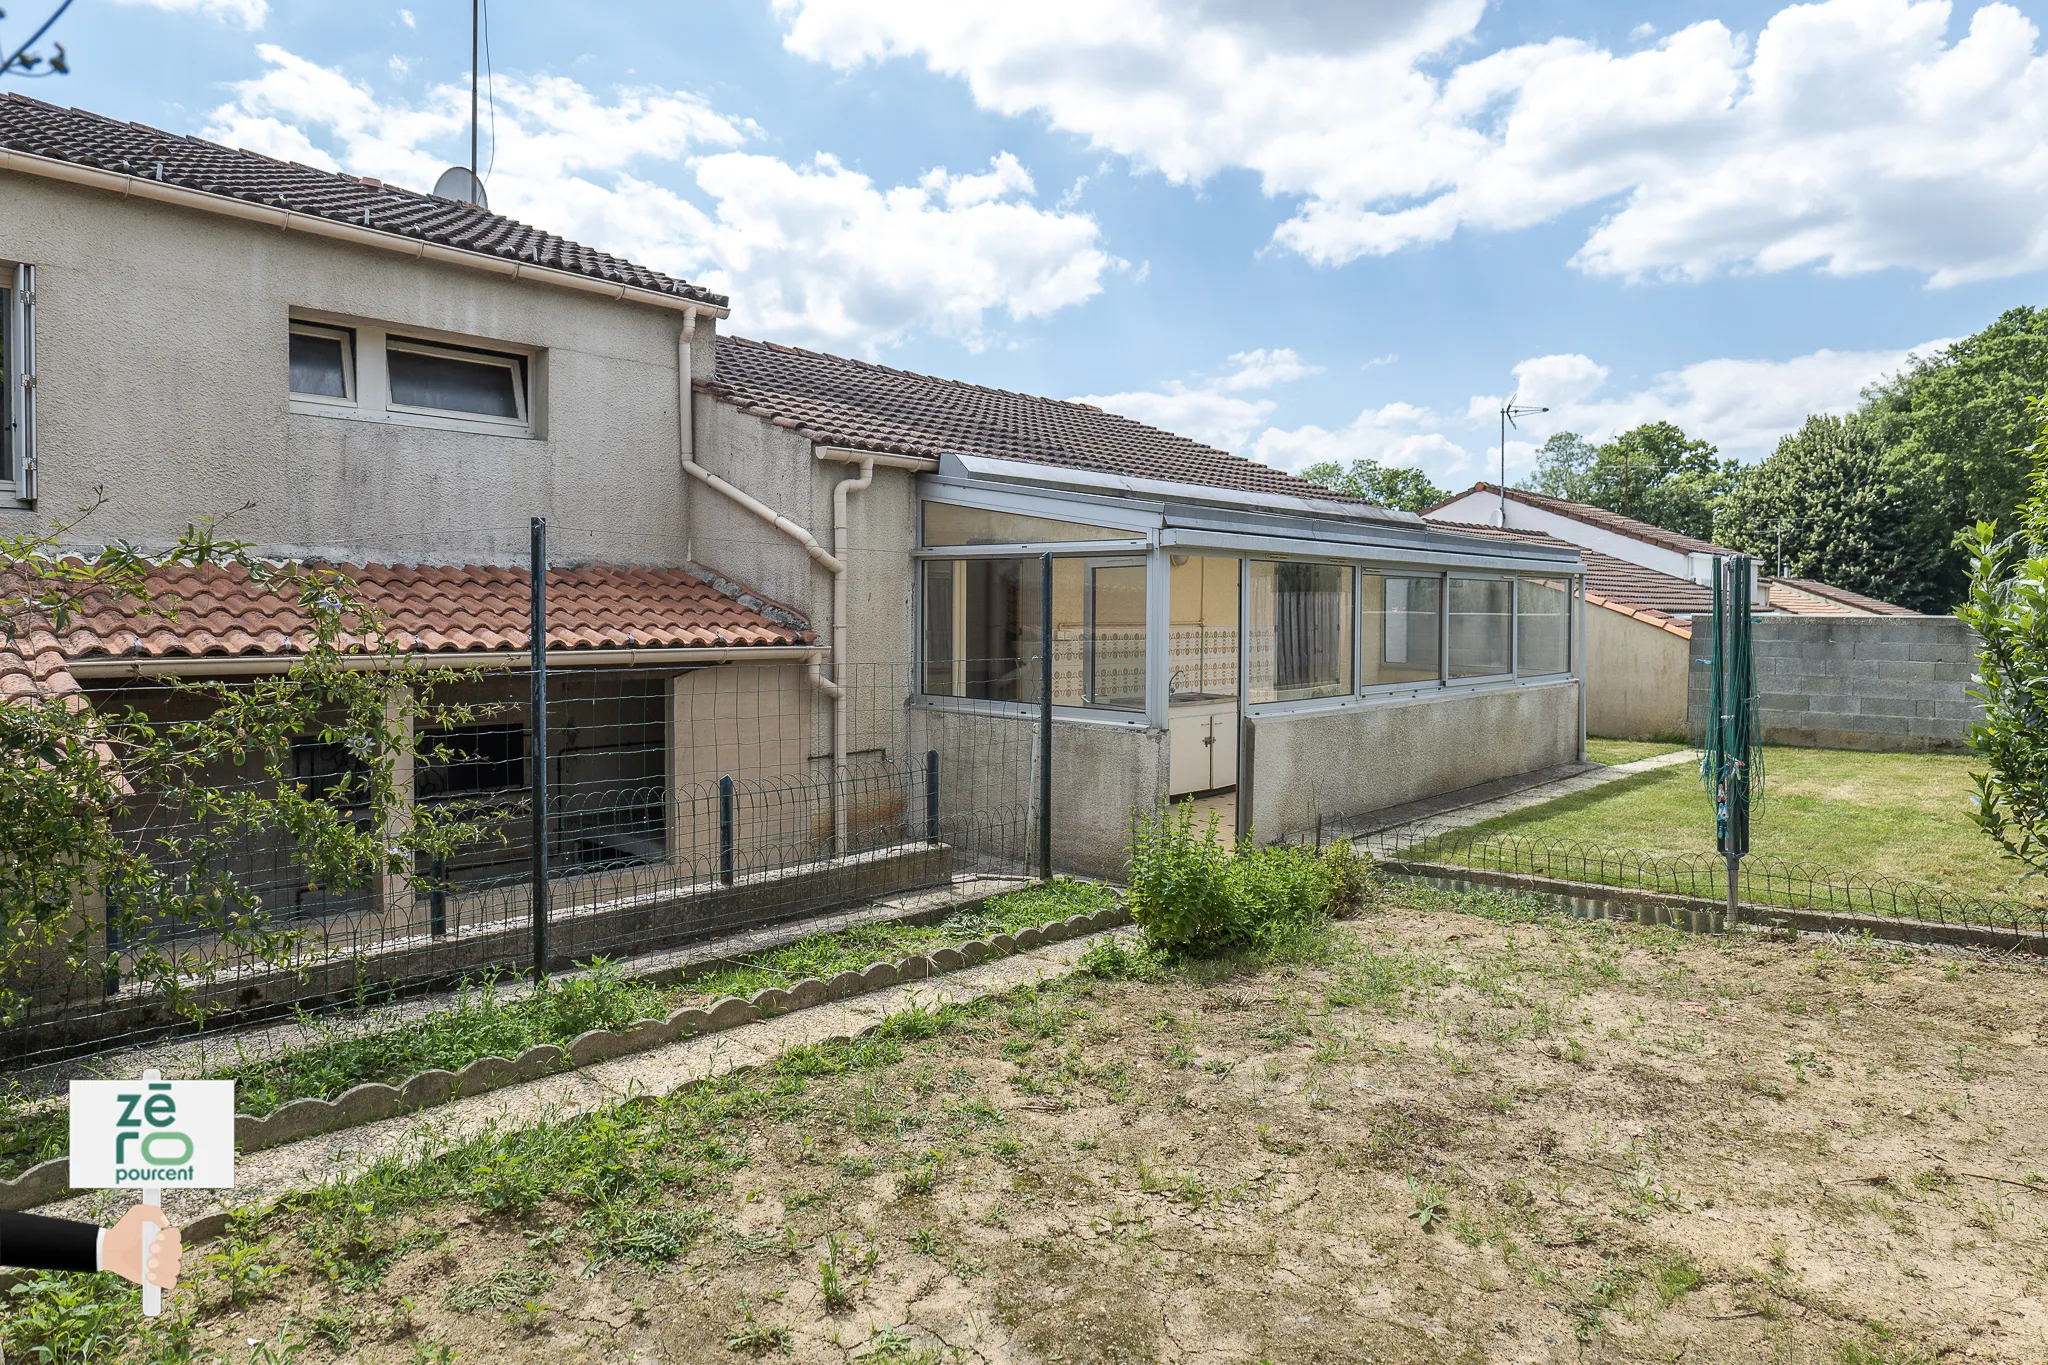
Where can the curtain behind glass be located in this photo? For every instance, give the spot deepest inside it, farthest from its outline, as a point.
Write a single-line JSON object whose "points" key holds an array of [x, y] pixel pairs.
{"points": [[1301, 631]]}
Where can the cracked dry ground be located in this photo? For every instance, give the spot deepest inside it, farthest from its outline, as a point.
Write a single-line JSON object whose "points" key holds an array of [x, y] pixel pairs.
{"points": [[1439, 1135]]}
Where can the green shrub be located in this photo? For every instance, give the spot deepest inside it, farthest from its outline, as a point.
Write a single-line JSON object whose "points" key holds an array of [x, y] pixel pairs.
{"points": [[1354, 879], [1180, 882], [1192, 894]]}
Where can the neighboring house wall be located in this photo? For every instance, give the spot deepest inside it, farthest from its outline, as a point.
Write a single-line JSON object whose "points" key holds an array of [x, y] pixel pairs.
{"points": [[1636, 675], [162, 377], [1868, 682], [1365, 758], [1484, 509]]}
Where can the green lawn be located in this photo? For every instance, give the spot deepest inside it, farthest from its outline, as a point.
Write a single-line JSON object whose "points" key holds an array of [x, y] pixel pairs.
{"points": [[1613, 751], [1896, 815]]}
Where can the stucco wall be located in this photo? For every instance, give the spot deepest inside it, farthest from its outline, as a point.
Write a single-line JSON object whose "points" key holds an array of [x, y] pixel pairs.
{"points": [[161, 337], [1356, 759], [988, 785], [1635, 677], [1866, 682]]}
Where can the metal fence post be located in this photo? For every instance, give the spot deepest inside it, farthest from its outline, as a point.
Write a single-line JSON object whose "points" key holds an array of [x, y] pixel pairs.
{"points": [[728, 833], [112, 976], [931, 796], [539, 722], [1045, 722], [437, 900]]}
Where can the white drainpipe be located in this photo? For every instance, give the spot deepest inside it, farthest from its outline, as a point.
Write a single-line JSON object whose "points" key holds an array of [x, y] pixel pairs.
{"points": [[839, 635], [687, 444]]}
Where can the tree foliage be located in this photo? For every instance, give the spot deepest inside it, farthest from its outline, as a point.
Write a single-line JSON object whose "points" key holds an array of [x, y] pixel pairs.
{"points": [[1654, 473], [1410, 490], [1850, 515], [119, 823], [2007, 606], [1962, 416]]}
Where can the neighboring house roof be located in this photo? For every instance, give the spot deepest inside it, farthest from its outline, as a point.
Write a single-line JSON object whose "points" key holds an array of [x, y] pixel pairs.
{"points": [[432, 610], [835, 401], [1615, 582], [1593, 516], [1663, 621], [134, 149], [1810, 597]]}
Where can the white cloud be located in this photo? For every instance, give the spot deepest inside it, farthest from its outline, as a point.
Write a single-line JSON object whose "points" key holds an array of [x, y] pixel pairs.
{"points": [[1741, 406], [250, 14], [1849, 136], [813, 252], [1210, 410], [1395, 434], [405, 16], [398, 65]]}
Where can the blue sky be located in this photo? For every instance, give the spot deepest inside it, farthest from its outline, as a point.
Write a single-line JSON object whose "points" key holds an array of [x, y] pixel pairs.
{"points": [[1297, 228]]}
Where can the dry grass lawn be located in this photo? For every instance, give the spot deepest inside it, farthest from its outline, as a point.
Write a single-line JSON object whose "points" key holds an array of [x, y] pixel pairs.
{"points": [[1435, 1135]]}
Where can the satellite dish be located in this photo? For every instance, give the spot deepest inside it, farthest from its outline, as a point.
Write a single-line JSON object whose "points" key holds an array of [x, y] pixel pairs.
{"points": [[460, 184]]}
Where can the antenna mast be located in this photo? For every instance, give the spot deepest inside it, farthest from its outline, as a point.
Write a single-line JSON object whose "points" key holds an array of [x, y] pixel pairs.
{"points": [[473, 4]]}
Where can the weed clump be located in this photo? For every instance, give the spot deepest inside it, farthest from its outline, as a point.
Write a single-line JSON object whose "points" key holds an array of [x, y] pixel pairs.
{"points": [[1194, 895]]}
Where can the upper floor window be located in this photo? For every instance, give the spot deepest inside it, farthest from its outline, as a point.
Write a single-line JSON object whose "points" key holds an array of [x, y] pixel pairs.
{"points": [[356, 368], [430, 378], [323, 362]]}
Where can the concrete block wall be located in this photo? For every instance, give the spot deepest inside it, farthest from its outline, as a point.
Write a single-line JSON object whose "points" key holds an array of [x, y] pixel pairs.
{"points": [[1866, 682]]}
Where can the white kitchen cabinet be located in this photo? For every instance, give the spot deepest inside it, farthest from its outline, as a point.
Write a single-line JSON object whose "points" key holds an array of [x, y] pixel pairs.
{"points": [[1201, 747]]}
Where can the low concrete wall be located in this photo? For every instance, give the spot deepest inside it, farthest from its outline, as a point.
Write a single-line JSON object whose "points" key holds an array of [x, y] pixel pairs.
{"points": [[1635, 677], [988, 787], [1356, 759], [1866, 682]]}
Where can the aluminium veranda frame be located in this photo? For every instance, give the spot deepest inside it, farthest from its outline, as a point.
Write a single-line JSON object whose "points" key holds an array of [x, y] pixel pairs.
{"points": [[1164, 519]]}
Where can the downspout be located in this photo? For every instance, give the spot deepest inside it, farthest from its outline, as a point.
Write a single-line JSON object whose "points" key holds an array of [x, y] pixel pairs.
{"points": [[840, 630], [687, 439], [686, 443]]}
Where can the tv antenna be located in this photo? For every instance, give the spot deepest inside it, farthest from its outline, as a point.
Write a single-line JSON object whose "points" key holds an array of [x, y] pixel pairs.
{"points": [[461, 183]]}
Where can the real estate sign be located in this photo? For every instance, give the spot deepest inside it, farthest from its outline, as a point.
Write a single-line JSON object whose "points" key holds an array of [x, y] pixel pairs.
{"points": [[154, 1133]]}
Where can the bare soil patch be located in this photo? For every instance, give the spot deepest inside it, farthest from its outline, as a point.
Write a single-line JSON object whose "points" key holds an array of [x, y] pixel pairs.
{"points": [[1438, 1136]]}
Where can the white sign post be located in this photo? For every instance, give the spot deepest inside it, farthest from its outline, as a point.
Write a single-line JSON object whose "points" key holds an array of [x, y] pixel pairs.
{"points": [[147, 1134]]}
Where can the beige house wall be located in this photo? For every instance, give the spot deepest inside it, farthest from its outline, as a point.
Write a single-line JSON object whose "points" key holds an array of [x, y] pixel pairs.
{"points": [[1635, 677], [162, 378]]}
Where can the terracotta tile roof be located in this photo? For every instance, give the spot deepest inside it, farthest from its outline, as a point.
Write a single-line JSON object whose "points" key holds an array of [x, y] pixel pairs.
{"points": [[31, 660], [852, 403], [1649, 616], [427, 609], [88, 139], [1811, 597], [1595, 516], [1616, 581]]}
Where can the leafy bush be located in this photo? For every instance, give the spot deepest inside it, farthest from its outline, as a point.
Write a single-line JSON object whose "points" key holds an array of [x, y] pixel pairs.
{"points": [[1180, 882], [1192, 894]]}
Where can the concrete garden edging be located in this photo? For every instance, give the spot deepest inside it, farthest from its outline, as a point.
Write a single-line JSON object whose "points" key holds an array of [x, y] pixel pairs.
{"points": [[49, 1181]]}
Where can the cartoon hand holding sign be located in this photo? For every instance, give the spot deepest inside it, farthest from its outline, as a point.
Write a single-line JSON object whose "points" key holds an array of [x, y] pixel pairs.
{"points": [[144, 1135]]}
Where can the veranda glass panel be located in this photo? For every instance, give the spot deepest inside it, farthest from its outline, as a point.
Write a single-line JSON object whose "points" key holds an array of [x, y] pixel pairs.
{"points": [[946, 524], [1482, 626], [1401, 625], [983, 619], [1300, 631], [1543, 618], [982, 623]]}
